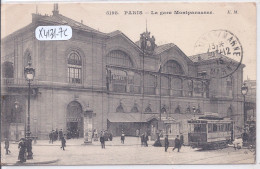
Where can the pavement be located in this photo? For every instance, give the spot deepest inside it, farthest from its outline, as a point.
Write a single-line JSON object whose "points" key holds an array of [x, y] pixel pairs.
{"points": [[131, 152]]}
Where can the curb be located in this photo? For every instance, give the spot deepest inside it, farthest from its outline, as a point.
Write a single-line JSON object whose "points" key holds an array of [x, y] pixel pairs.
{"points": [[33, 163]]}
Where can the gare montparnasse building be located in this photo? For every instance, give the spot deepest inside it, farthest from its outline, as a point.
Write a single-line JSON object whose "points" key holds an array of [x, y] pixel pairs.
{"points": [[123, 83]]}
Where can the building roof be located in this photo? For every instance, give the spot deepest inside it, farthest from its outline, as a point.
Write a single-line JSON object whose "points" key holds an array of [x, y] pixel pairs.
{"points": [[162, 48], [208, 56], [130, 117], [63, 20]]}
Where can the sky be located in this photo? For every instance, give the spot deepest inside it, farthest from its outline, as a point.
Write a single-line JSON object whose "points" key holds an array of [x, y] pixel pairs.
{"points": [[181, 29]]}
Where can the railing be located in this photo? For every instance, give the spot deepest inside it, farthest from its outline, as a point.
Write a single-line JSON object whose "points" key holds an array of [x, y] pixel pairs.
{"points": [[16, 82]]}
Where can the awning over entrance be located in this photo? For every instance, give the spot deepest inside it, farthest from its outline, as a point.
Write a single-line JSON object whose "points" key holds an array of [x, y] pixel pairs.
{"points": [[131, 117]]}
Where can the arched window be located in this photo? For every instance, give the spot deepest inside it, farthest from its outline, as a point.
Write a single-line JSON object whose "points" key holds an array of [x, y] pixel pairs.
{"points": [[177, 110], [172, 67], [120, 109], [149, 84], [8, 70], [134, 109], [163, 110], [165, 89], [176, 86], [74, 68], [148, 109], [119, 58], [229, 112], [229, 88], [27, 58]]}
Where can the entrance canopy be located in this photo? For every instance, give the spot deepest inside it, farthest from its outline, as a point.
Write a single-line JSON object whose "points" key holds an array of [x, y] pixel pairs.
{"points": [[131, 117]]}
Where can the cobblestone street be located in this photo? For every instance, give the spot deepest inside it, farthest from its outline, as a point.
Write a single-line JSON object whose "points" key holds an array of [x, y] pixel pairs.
{"points": [[129, 153]]}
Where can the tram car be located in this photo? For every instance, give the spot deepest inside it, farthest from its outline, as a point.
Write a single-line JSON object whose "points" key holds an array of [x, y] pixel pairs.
{"points": [[210, 132]]}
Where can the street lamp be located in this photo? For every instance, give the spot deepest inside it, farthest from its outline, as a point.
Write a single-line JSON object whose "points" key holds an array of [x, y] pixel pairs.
{"points": [[16, 106], [29, 73], [194, 110], [244, 90]]}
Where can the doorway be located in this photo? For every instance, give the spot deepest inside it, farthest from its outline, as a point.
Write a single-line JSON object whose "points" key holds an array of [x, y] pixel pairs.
{"points": [[73, 130]]}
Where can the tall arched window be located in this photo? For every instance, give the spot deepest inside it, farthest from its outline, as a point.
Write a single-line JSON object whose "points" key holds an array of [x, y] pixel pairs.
{"points": [[27, 58], [230, 112], [176, 86], [149, 84], [8, 70], [119, 58], [229, 88], [74, 68], [172, 67], [120, 78], [165, 86]]}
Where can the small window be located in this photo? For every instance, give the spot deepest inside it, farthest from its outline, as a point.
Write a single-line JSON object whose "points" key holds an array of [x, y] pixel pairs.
{"points": [[120, 109], [148, 110]]}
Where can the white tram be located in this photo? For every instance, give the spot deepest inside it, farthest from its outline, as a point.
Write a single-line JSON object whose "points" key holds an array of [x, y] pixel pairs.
{"points": [[210, 132]]}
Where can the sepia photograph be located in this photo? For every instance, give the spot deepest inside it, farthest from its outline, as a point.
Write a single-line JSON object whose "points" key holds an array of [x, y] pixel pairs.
{"points": [[160, 83]]}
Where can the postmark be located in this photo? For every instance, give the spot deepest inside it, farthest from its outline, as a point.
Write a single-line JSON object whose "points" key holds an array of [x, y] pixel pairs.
{"points": [[222, 50]]}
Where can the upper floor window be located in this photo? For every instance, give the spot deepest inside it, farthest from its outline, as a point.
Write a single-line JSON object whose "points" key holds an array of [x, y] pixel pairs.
{"points": [[119, 58], [27, 58], [172, 67], [74, 68], [149, 84], [229, 89]]}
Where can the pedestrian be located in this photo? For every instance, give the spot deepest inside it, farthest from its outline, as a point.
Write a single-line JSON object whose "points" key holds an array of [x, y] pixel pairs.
{"points": [[157, 142], [63, 142], [142, 140], [51, 137], [60, 134], [56, 135], [181, 140], [177, 143], [166, 142], [7, 146], [102, 140], [137, 133], [146, 139], [123, 137], [22, 150]]}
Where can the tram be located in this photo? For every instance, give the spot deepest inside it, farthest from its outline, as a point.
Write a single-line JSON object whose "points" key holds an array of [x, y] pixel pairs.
{"points": [[210, 132]]}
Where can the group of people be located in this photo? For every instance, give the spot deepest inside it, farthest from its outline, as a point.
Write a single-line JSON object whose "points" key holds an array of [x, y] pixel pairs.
{"points": [[178, 143], [55, 135]]}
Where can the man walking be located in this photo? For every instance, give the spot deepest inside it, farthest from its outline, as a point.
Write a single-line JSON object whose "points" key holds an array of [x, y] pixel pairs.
{"points": [[102, 140], [60, 134], [63, 142], [166, 142], [181, 140], [146, 139], [177, 143], [7, 146], [123, 137]]}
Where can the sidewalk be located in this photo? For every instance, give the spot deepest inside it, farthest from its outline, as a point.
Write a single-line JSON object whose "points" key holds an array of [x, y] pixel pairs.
{"points": [[42, 146], [129, 141]]}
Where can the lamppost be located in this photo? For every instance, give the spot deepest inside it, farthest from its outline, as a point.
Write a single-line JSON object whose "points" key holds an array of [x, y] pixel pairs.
{"points": [[244, 90], [29, 73], [16, 106], [194, 110]]}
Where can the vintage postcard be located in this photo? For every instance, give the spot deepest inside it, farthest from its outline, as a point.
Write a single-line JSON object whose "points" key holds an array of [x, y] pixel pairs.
{"points": [[128, 83]]}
